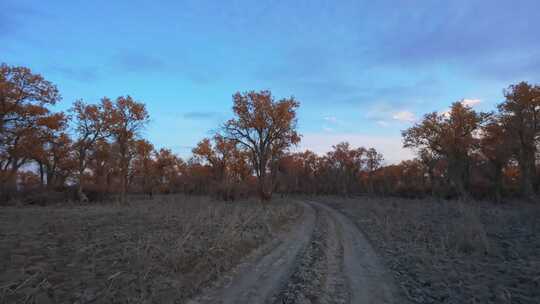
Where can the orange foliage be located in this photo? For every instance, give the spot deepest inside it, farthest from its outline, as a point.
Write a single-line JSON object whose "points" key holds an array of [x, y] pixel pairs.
{"points": [[265, 128], [460, 152]]}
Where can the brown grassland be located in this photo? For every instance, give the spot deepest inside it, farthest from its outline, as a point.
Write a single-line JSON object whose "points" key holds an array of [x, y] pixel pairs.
{"points": [[454, 252], [169, 248], [159, 250]]}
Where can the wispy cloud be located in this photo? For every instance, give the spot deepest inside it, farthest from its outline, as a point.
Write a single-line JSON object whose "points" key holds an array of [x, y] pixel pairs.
{"points": [[201, 115], [331, 119], [133, 61], [83, 74], [404, 116], [386, 115], [480, 44], [471, 102], [382, 123], [14, 17]]}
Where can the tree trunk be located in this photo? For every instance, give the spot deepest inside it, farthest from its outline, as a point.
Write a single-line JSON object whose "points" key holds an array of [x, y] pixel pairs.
{"points": [[264, 193], [124, 166], [80, 194], [370, 182], [457, 173], [498, 183], [527, 168], [431, 178], [123, 189], [41, 175], [11, 182], [8, 185], [123, 182], [52, 176]]}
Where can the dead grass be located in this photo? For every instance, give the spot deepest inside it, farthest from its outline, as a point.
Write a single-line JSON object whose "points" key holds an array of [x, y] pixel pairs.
{"points": [[162, 250], [454, 252]]}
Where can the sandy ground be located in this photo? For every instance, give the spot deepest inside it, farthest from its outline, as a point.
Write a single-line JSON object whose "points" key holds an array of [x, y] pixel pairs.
{"points": [[324, 259]]}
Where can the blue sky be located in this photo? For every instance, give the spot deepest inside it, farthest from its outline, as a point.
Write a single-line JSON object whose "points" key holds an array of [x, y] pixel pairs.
{"points": [[362, 70]]}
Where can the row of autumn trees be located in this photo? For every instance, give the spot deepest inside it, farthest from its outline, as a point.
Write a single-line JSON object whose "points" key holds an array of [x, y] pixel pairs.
{"points": [[34, 136], [475, 153], [95, 151]]}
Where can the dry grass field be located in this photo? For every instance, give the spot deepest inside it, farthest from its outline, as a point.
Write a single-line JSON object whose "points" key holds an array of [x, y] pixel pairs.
{"points": [[152, 251], [171, 248], [454, 252]]}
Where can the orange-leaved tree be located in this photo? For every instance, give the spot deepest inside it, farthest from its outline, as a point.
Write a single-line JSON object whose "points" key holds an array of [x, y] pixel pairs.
{"points": [[127, 118], [450, 135], [346, 163], [265, 128], [496, 147], [52, 150], [228, 163], [521, 117], [144, 166], [169, 168], [24, 97], [90, 124], [374, 161]]}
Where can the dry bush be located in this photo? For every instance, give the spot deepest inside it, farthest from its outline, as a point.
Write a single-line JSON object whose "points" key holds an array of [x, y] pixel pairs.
{"points": [[454, 252], [159, 250]]}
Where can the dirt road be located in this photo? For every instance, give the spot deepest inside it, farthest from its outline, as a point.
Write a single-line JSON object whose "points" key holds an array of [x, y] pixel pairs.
{"points": [[325, 259]]}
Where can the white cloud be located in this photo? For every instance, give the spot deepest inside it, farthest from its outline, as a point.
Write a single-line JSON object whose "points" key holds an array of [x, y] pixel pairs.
{"points": [[382, 123], [404, 116], [378, 111], [445, 113], [390, 146], [331, 119], [471, 102], [327, 129]]}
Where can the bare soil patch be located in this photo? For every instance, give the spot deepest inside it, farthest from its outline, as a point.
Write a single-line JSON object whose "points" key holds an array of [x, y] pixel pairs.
{"points": [[454, 252], [162, 250], [306, 283]]}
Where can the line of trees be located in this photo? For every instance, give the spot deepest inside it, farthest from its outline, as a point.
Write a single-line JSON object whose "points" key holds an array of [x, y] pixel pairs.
{"points": [[96, 150], [470, 152], [32, 134]]}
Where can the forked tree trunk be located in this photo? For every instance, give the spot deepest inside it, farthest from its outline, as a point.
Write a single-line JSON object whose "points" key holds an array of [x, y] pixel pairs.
{"points": [[265, 192]]}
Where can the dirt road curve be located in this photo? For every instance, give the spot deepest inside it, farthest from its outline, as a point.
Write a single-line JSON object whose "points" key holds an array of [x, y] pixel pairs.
{"points": [[325, 259]]}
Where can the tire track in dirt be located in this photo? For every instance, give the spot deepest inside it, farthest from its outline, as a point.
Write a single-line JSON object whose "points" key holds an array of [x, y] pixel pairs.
{"points": [[263, 272], [325, 259], [318, 273], [368, 280]]}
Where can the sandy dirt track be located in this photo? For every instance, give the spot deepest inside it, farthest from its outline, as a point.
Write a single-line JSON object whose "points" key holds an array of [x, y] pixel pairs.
{"points": [[324, 259]]}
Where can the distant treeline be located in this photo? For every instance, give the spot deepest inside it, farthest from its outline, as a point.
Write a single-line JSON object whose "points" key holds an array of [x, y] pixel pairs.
{"points": [[95, 151]]}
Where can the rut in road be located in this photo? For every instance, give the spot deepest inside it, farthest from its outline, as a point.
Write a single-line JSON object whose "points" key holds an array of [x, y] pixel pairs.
{"points": [[325, 259], [318, 273]]}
